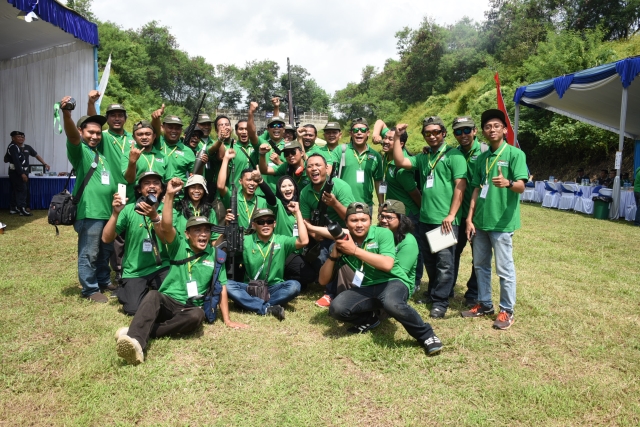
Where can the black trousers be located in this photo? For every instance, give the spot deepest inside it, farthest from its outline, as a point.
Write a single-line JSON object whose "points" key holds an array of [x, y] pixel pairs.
{"points": [[472, 283], [133, 290], [115, 261], [160, 315], [18, 190], [296, 268]]}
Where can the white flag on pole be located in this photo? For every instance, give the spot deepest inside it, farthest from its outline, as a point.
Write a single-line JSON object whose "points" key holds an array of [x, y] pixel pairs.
{"points": [[104, 81]]}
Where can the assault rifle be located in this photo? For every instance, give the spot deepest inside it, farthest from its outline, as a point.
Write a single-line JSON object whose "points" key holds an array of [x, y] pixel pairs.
{"points": [[319, 216], [294, 120], [197, 167]]}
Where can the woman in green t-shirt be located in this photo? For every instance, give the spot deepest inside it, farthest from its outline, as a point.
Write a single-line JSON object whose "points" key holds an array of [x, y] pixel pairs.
{"points": [[194, 203]]}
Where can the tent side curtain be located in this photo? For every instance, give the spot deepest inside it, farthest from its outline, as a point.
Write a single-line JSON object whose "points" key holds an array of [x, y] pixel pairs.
{"points": [[62, 17]]}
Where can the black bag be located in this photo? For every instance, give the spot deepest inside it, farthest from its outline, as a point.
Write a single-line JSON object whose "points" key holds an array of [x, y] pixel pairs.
{"points": [[64, 207], [260, 288]]}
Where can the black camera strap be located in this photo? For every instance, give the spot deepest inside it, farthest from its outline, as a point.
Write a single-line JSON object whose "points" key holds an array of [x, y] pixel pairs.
{"points": [[186, 260], [154, 242], [87, 177]]}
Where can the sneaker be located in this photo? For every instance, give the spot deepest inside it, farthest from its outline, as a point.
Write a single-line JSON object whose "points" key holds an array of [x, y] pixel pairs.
{"points": [[365, 327], [13, 211], [129, 349], [478, 310], [98, 297], [276, 311], [121, 331], [24, 212], [325, 301], [437, 313], [504, 320], [110, 287], [433, 345]]}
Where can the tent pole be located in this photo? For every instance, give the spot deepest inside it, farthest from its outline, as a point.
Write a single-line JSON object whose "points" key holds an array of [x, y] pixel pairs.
{"points": [[623, 123], [516, 122]]}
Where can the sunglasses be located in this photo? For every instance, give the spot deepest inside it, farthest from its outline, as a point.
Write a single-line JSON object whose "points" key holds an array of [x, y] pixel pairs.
{"points": [[429, 133], [466, 131], [264, 221], [359, 130], [291, 152], [276, 125]]}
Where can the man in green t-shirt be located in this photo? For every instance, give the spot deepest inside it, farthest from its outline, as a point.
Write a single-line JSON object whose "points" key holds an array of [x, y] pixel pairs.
{"points": [[143, 156], [444, 173], [275, 128], [145, 257], [332, 134], [176, 307], [179, 157], [494, 215], [264, 258], [307, 136], [379, 282], [94, 206], [293, 167]]}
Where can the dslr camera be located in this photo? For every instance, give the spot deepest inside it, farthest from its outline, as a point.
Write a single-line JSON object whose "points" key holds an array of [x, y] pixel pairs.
{"points": [[150, 200], [70, 105]]}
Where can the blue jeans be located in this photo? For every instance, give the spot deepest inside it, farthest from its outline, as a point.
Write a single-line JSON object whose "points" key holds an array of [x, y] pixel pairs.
{"points": [[93, 256], [415, 219], [440, 267], [636, 195], [501, 244], [281, 293], [356, 304]]}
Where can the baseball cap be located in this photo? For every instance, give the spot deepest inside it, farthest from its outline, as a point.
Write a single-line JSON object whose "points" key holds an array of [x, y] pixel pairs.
{"points": [[393, 206], [463, 122], [115, 107], [16, 133], [492, 114], [432, 120], [359, 121], [141, 125], [291, 145], [357, 207], [198, 131], [262, 212], [332, 126], [275, 119], [101, 120], [289, 127], [204, 118], [172, 120], [197, 179], [149, 173], [197, 220]]}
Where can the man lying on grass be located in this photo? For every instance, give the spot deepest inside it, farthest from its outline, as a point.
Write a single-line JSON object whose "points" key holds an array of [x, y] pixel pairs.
{"points": [[173, 309]]}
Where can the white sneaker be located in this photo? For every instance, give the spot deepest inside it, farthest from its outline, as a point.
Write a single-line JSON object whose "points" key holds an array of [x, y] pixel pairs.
{"points": [[121, 331], [130, 350]]}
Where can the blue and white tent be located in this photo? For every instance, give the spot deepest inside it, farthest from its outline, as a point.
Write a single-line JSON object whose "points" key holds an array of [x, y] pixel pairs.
{"points": [[603, 96]]}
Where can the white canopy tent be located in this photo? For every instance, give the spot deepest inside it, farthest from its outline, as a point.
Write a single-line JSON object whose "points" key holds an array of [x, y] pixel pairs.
{"points": [[40, 62], [602, 96]]}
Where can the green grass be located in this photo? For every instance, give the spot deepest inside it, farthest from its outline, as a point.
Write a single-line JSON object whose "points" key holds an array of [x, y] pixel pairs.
{"points": [[571, 358]]}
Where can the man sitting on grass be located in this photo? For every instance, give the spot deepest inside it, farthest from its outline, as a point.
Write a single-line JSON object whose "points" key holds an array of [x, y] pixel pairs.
{"points": [[172, 309]]}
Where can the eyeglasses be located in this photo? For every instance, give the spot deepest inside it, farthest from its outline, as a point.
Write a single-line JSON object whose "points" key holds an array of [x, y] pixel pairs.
{"points": [[387, 218], [291, 152], [466, 131], [359, 130], [264, 221], [428, 133], [496, 126], [276, 125]]}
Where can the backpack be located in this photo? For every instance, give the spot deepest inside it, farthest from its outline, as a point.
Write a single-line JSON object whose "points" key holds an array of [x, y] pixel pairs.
{"points": [[212, 297]]}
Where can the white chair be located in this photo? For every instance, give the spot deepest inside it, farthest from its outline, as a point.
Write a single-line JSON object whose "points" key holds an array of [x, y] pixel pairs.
{"points": [[585, 204], [530, 194], [551, 196], [568, 196]]}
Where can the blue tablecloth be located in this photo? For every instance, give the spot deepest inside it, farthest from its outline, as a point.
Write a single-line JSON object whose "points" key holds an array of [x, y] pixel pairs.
{"points": [[42, 188]]}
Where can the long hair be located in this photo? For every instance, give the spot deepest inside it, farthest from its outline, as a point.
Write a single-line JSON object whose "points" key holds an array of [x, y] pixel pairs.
{"points": [[405, 226], [183, 206], [296, 191]]}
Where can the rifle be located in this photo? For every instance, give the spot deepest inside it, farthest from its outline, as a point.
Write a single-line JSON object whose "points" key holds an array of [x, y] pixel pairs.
{"points": [[233, 233], [197, 167], [319, 216], [293, 111]]}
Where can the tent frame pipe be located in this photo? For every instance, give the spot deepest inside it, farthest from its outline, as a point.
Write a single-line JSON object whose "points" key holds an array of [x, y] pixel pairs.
{"points": [[516, 122]]}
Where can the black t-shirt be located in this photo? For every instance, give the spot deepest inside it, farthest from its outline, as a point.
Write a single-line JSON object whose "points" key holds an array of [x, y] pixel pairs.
{"points": [[27, 151]]}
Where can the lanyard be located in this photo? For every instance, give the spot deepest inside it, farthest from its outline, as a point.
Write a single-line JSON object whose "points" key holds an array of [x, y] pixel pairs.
{"points": [[264, 256], [386, 169], [358, 157], [247, 155], [195, 212], [471, 153], [165, 150], [488, 168], [440, 154], [115, 141], [99, 159], [149, 163], [246, 207]]}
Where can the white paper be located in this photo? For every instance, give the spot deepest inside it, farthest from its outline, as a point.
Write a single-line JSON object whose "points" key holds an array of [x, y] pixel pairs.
{"points": [[147, 246], [360, 176], [105, 177], [358, 278], [192, 289], [485, 190], [429, 183], [618, 160], [382, 189]]}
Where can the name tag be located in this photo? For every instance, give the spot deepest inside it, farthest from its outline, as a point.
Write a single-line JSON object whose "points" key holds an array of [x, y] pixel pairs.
{"points": [[147, 246], [360, 176], [485, 190], [105, 177], [192, 289], [358, 278], [429, 183], [295, 230], [382, 189]]}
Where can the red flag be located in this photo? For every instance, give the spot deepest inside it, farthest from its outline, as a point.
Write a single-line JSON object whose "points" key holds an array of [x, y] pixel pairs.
{"points": [[503, 108]]}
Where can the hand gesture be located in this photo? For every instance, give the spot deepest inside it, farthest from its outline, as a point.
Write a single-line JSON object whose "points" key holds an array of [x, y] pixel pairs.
{"points": [[293, 207], [118, 204], [47, 168], [94, 95], [377, 139], [275, 101], [235, 325], [401, 128], [225, 133], [256, 177], [264, 149], [275, 158], [146, 209], [134, 154], [158, 113], [301, 132], [499, 180], [64, 102], [253, 107], [471, 229], [230, 154], [229, 217], [174, 186]]}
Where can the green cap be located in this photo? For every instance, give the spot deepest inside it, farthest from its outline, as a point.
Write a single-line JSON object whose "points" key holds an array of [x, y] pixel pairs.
{"points": [[115, 107], [332, 126], [141, 125], [432, 120], [172, 120], [357, 207], [197, 220], [259, 213], [275, 119], [384, 132], [197, 179], [101, 120], [393, 206], [359, 121], [204, 118], [148, 173], [291, 145], [463, 122]]}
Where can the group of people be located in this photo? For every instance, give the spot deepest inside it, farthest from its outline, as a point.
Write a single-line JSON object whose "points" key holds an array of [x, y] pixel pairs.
{"points": [[161, 210], [606, 178]]}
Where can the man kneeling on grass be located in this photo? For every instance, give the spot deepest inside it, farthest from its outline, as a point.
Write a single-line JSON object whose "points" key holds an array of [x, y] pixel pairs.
{"points": [[173, 309], [379, 280]]}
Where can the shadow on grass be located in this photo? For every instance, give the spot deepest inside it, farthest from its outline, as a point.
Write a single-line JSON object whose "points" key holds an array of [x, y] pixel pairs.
{"points": [[14, 222]]}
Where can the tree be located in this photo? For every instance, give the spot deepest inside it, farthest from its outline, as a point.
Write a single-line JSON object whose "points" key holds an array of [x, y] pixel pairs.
{"points": [[83, 7], [307, 95], [258, 79]]}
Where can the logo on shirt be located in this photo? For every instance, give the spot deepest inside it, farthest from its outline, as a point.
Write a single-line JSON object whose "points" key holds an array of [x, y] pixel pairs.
{"points": [[276, 246], [180, 152], [372, 245], [474, 157], [503, 163], [209, 263], [160, 160], [371, 156]]}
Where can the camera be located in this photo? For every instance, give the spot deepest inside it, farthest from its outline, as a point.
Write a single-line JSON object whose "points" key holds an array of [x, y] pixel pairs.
{"points": [[70, 105], [150, 200], [336, 231]]}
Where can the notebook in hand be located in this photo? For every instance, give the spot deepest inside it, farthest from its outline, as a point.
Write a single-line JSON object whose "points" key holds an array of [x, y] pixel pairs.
{"points": [[439, 241]]}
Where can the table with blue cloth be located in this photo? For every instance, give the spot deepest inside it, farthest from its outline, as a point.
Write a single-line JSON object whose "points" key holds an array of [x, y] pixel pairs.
{"points": [[42, 189]]}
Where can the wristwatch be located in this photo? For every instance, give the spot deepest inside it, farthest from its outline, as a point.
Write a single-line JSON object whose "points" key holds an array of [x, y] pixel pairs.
{"points": [[333, 259], [510, 183]]}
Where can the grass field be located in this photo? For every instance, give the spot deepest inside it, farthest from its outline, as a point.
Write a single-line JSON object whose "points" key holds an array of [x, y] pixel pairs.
{"points": [[571, 358]]}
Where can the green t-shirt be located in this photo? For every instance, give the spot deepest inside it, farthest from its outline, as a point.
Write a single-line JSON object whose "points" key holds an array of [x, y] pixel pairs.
{"points": [[399, 183], [407, 258], [149, 161], [284, 220], [323, 151], [500, 210], [272, 180], [96, 200], [378, 241], [449, 165], [309, 199], [179, 159], [180, 221], [256, 257], [139, 259], [369, 161], [301, 181], [245, 207], [116, 147], [471, 158], [246, 157], [202, 269]]}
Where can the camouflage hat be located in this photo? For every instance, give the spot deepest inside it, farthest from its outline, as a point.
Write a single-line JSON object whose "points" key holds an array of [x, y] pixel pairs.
{"points": [[197, 220], [115, 107], [393, 206], [197, 179], [204, 118], [289, 127], [172, 120], [101, 120], [332, 126], [463, 122], [275, 119], [432, 120], [141, 125], [359, 121], [149, 173], [357, 207], [291, 145], [262, 212]]}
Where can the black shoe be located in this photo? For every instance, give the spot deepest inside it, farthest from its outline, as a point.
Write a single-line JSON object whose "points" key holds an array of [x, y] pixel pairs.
{"points": [[433, 345], [24, 212], [119, 277], [437, 312], [365, 327], [276, 311], [470, 302], [110, 287]]}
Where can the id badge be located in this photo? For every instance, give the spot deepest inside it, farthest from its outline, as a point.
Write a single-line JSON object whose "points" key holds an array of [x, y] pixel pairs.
{"points": [[383, 188], [147, 246], [429, 183], [485, 190], [105, 177], [358, 278], [192, 289], [360, 176], [295, 230]]}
